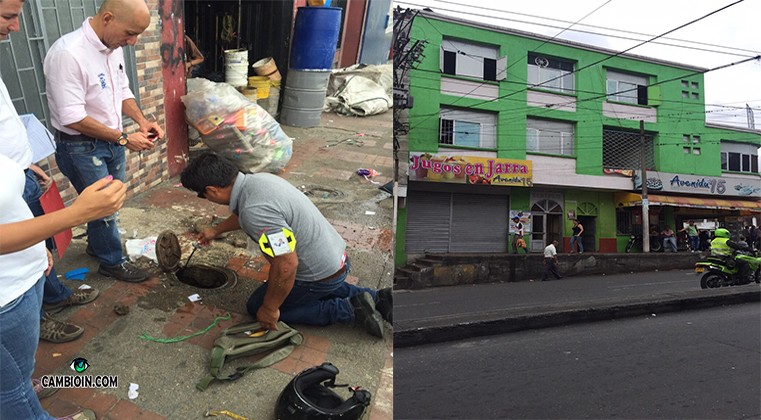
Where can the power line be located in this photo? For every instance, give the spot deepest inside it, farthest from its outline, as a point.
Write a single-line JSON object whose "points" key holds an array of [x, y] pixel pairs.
{"points": [[608, 57], [590, 26], [741, 51]]}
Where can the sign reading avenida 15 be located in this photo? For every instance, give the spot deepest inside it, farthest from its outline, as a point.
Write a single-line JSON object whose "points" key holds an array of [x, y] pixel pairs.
{"points": [[440, 167]]}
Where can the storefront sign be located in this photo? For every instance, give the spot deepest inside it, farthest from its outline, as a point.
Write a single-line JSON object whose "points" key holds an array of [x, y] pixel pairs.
{"points": [[698, 184], [469, 170], [520, 216]]}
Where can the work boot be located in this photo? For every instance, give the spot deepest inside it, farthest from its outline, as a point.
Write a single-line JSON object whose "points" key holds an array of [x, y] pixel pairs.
{"points": [[56, 331], [78, 297], [385, 304], [125, 272], [85, 414], [365, 314]]}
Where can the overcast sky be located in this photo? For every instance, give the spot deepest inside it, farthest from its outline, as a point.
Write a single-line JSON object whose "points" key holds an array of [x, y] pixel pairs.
{"points": [[737, 27]]}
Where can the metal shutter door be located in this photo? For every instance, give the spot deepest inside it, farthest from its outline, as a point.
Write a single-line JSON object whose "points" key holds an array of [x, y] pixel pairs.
{"points": [[428, 216], [479, 223]]}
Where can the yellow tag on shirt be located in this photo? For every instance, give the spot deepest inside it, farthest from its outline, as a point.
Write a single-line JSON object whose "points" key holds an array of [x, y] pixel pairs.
{"points": [[277, 242]]}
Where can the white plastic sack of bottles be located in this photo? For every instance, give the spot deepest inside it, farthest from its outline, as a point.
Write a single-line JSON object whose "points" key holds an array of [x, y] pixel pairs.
{"points": [[236, 128]]}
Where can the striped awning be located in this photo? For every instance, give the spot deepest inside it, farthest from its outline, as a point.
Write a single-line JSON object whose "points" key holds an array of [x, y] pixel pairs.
{"points": [[631, 200]]}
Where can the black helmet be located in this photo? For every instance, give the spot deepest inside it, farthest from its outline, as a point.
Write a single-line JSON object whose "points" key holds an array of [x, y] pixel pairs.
{"points": [[308, 397]]}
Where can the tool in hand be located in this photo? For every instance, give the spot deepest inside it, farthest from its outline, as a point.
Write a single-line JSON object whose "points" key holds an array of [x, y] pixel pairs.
{"points": [[196, 246]]}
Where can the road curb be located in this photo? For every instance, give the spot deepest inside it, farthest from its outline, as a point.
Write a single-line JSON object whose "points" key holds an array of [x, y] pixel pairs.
{"points": [[547, 317]]}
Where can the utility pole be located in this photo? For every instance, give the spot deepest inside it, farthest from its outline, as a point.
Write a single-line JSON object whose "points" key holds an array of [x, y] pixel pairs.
{"points": [[643, 179]]}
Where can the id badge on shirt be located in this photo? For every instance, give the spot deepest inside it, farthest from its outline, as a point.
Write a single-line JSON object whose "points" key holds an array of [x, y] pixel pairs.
{"points": [[277, 242]]}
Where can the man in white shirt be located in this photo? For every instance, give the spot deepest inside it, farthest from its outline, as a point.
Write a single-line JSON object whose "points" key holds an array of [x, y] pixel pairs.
{"points": [[88, 91], [550, 261]]}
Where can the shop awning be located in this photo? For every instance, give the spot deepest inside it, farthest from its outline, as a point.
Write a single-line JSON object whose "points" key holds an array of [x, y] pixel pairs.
{"points": [[632, 199]]}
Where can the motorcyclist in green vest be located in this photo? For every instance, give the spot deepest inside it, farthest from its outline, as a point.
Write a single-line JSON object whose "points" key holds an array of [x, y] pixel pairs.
{"points": [[722, 246]]}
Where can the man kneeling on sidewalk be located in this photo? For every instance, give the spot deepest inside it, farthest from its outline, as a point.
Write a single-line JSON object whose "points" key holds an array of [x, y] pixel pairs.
{"points": [[308, 262]]}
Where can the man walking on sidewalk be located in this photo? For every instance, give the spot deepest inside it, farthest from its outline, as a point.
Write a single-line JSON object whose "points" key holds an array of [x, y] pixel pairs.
{"points": [[88, 91], [550, 261], [308, 262]]}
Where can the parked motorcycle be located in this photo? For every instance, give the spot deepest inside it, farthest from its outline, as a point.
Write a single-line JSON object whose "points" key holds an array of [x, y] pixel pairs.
{"points": [[635, 242], [723, 271]]}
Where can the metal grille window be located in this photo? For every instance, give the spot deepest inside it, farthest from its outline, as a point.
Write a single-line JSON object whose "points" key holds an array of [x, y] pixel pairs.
{"points": [[460, 127], [551, 137], [624, 221], [621, 150], [43, 22], [550, 73]]}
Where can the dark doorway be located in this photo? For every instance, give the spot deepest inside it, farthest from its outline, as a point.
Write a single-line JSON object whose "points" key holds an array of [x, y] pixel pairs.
{"points": [[589, 237]]}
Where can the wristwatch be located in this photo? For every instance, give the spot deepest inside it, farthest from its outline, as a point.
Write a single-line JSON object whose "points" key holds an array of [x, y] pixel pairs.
{"points": [[122, 140]]}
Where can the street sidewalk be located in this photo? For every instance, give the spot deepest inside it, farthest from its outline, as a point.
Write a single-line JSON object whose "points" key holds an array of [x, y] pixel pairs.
{"points": [[458, 312], [324, 167]]}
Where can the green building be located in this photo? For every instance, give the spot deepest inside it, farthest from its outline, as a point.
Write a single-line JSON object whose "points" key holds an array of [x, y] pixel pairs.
{"points": [[510, 124]]}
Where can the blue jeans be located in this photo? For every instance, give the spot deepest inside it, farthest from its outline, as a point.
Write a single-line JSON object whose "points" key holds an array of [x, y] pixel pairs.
{"points": [[314, 303], [85, 160], [669, 244], [576, 240], [19, 334], [54, 291], [694, 243]]}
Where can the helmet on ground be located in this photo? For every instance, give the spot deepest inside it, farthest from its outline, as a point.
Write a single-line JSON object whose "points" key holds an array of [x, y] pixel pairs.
{"points": [[721, 233], [308, 397]]}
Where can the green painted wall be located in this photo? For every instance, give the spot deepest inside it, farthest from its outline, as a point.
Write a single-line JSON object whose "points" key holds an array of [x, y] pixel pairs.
{"points": [[676, 116]]}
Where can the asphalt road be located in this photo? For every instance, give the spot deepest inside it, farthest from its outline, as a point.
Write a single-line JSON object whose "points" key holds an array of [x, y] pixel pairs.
{"points": [[695, 364], [438, 302]]}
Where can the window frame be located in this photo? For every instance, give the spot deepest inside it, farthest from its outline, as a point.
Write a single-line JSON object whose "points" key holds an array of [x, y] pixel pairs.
{"points": [[626, 91], [448, 128], [559, 75], [562, 135], [493, 67]]}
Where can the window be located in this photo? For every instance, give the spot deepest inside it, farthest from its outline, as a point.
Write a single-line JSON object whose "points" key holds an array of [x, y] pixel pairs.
{"points": [[692, 144], [624, 221], [472, 60], [690, 90], [621, 149], [466, 128], [551, 137], [739, 158], [550, 73], [624, 87]]}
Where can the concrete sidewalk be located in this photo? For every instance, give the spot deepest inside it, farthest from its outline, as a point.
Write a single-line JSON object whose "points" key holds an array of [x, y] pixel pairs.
{"points": [[323, 165], [458, 312]]}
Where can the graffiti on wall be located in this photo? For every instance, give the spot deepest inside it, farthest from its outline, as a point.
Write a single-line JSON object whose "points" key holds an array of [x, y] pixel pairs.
{"points": [[173, 36]]}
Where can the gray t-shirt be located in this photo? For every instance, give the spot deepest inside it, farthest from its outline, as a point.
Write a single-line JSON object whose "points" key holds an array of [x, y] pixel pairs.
{"points": [[267, 203]]}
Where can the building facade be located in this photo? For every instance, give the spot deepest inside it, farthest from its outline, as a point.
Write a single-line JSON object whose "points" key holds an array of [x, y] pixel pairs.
{"points": [[511, 124]]}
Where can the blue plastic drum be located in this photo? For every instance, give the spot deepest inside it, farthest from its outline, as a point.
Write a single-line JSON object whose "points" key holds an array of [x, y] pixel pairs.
{"points": [[315, 36]]}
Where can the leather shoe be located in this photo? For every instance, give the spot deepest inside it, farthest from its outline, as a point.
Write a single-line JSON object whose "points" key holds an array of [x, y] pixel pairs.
{"points": [[385, 304], [365, 314], [124, 272]]}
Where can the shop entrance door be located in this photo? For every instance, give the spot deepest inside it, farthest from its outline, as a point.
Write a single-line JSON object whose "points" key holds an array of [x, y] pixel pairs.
{"points": [[588, 238], [546, 224]]}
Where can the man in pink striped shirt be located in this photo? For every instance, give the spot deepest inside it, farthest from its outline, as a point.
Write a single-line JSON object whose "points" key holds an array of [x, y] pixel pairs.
{"points": [[88, 91]]}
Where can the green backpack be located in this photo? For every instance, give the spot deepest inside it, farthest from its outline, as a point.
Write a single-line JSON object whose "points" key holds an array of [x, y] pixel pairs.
{"points": [[240, 341]]}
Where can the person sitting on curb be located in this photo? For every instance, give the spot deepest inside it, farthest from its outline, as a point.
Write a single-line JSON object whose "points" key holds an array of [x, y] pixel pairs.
{"points": [[550, 261], [308, 262], [669, 239]]}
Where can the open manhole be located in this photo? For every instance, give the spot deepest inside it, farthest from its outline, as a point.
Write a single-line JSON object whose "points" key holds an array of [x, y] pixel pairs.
{"points": [[169, 255]]}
